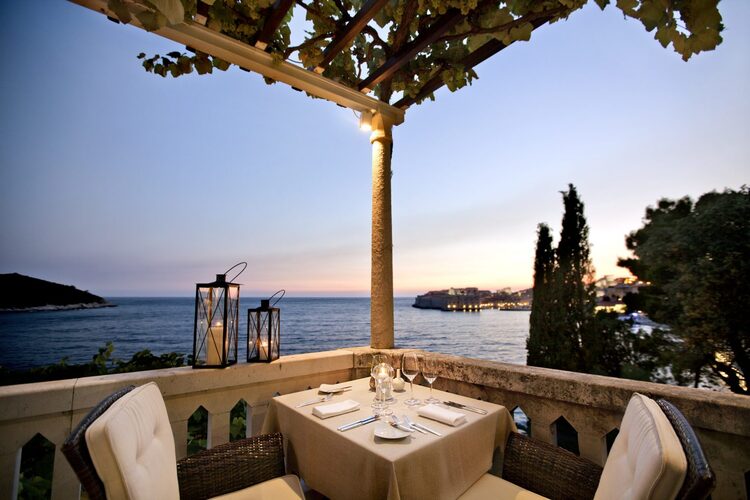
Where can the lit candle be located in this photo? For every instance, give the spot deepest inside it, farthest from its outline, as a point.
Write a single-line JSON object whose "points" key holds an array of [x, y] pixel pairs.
{"points": [[213, 344], [262, 350]]}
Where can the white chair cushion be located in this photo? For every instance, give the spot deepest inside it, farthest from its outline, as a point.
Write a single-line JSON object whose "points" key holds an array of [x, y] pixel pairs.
{"points": [[279, 488], [646, 460], [493, 487], [132, 447]]}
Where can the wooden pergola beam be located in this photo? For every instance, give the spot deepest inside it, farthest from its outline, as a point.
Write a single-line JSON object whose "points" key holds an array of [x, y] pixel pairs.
{"points": [[411, 49], [355, 26], [483, 53], [206, 40], [272, 22]]}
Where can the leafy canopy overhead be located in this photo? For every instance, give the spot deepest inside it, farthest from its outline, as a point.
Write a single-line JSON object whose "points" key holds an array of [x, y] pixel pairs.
{"points": [[690, 26]]}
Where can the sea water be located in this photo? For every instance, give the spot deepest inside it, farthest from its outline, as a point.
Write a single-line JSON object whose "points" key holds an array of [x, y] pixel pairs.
{"points": [[307, 325]]}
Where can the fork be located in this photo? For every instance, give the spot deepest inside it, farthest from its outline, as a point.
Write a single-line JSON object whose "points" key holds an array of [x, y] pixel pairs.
{"points": [[411, 425], [399, 425]]}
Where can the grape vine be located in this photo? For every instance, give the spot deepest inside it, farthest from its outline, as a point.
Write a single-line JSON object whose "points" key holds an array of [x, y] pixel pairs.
{"points": [[689, 26]]}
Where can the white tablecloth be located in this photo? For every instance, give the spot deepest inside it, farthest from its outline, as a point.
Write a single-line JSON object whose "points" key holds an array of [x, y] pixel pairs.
{"points": [[357, 465]]}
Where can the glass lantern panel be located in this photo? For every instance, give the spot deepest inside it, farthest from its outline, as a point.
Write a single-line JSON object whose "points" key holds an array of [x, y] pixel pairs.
{"points": [[274, 330], [211, 343], [253, 335], [232, 321]]}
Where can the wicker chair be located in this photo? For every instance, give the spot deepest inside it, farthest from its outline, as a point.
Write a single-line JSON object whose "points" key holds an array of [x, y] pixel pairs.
{"points": [[223, 469], [558, 474]]}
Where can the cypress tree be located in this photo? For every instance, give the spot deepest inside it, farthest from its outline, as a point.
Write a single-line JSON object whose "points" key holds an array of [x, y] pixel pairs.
{"points": [[564, 330], [574, 288], [539, 345]]}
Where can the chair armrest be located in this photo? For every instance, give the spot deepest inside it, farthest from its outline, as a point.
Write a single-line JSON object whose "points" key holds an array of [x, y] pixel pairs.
{"points": [[548, 470], [700, 479], [76, 450], [231, 467]]}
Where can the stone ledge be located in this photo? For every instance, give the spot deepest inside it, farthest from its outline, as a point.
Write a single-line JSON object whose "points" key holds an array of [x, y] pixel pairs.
{"points": [[45, 398], [714, 410]]}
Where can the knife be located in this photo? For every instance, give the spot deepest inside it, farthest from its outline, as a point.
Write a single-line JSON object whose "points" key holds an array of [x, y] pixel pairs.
{"points": [[352, 425], [420, 426], [465, 407]]}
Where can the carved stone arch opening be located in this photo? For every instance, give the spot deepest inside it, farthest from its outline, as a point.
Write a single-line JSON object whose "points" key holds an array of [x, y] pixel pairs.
{"points": [[35, 467], [565, 435], [523, 422], [197, 431], [239, 418]]}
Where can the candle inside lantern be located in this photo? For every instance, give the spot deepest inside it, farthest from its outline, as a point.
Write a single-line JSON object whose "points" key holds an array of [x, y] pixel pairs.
{"points": [[213, 344], [262, 350]]}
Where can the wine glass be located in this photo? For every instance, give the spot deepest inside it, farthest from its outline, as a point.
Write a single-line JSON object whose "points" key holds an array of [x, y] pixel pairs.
{"points": [[429, 372], [382, 373], [410, 369]]}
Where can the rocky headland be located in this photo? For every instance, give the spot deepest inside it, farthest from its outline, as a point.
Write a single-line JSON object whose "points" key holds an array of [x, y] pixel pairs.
{"points": [[19, 293]]}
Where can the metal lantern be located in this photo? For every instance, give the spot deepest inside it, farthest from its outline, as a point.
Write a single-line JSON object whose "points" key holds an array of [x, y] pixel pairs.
{"points": [[263, 328], [217, 314]]}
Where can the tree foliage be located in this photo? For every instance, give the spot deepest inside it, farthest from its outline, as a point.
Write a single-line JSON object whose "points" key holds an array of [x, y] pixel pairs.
{"points": [[564, 331], [102, 363], [697, 258], [539, 345], [574, 282], [690, 26]]}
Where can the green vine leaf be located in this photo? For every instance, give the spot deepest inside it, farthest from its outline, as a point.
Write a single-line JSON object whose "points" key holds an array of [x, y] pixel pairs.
{"points": [[151, 21], [172, 10], [522, 33], [120, 10], [185, 65], [220, 64], [665, 35], [627, 6], [203, 64], [651, 15]]}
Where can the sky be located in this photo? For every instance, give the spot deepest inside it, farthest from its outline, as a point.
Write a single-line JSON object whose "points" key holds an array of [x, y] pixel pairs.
{"points": [[123, 183]]}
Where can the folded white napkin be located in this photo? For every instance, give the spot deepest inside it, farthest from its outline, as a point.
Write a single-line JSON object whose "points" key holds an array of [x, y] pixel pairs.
{"points": [[441, 414], [335, 387], [333, 409]]}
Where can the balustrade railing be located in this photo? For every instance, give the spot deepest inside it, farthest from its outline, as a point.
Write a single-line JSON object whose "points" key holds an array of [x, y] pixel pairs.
{"points": [[52, 409], [592, 405]]}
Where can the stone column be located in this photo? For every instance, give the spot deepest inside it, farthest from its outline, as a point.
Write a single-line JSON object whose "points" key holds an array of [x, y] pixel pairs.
{"points": [[381, 274]]}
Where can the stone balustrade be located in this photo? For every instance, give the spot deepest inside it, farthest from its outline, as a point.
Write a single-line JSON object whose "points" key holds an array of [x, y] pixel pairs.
{"points": [[54, 408], [593, 405]]}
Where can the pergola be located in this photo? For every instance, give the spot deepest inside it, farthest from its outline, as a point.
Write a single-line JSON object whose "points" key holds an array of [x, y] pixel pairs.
{"points": [[409, 48]]}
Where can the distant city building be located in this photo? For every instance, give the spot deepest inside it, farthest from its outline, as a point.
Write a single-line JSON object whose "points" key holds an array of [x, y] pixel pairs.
{"points": [[474, 300], [610, 292]]}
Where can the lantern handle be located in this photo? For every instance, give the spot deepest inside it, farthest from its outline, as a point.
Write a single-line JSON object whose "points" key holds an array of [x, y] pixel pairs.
{"points": [[236, 265], [282, 292]]}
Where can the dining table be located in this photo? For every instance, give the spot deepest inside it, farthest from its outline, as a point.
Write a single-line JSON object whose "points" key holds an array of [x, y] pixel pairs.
{"points": [[358, 464]]}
